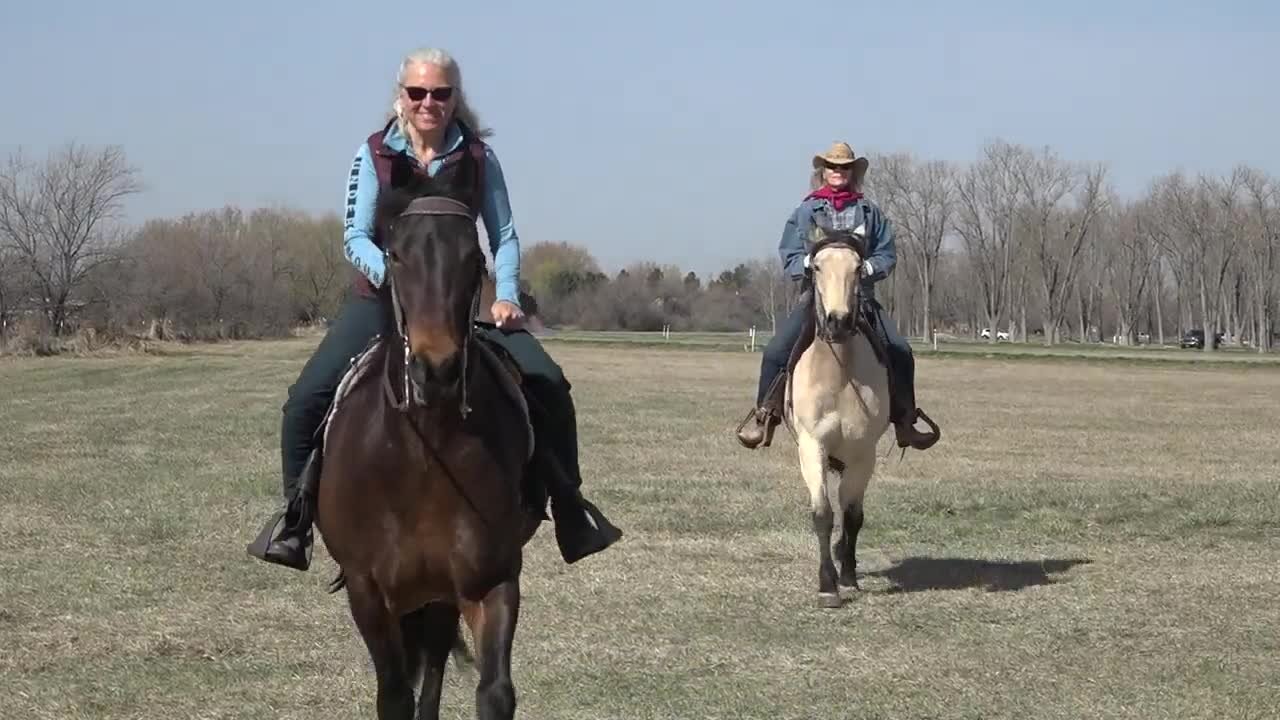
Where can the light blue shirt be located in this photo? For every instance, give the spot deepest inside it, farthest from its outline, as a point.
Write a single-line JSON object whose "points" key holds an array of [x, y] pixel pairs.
{"points": [[495, 210]]}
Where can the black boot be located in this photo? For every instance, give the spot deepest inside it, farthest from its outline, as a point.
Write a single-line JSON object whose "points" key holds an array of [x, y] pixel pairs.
{"points": [[903, 412], [287, 537], [581, 528]]}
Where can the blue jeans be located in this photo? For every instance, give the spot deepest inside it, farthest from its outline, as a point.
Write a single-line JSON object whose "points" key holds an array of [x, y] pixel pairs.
{"points": [[901, 360]]}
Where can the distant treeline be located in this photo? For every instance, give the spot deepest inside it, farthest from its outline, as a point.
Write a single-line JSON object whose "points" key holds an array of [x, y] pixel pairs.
{"points": [[1019, 242]]}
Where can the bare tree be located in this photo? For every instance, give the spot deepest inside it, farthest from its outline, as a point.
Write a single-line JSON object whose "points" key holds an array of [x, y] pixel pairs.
{"points": [[1128, 254], [10, 287], [1201, 232], [319, 271], [1262, 198], [1059, 231], [921, 200], [60, 218], [987, 194]]}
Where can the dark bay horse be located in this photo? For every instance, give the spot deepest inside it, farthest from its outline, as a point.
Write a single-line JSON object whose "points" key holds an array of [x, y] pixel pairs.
{"points": [[420, 497]]}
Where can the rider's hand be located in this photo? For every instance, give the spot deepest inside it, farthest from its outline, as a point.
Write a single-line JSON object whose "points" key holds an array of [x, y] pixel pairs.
{"points": [[507, 314]]}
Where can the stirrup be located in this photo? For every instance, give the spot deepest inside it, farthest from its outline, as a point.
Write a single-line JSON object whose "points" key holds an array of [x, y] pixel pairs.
{"points": [[917, 439], [765, 420]]}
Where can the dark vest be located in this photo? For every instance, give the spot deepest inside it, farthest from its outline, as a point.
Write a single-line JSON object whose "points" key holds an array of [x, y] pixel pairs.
{"points": [[394, 170]]}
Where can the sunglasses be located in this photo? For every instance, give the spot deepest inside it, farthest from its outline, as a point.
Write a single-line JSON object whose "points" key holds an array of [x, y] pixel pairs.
{"points": [[838, 168], [418, 94]]}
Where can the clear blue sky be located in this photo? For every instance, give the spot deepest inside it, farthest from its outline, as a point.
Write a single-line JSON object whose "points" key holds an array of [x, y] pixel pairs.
{"points": [[674, 131]]}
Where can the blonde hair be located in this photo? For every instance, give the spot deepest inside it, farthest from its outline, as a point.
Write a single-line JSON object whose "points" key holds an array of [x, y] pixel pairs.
{"points": [[462, 110]]}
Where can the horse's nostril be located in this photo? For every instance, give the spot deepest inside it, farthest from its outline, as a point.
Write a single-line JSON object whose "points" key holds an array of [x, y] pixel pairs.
{"points": [[419, 370]]}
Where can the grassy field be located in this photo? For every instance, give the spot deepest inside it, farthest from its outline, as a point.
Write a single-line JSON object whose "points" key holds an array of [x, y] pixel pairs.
{"points": [[1089, 540], [947, 347]]}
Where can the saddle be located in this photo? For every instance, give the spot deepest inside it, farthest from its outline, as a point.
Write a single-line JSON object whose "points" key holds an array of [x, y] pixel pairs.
{"points": [[776, 404], [492, 356]]}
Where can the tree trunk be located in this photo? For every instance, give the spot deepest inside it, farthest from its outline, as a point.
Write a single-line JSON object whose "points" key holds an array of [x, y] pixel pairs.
{"points": [[1206, 322], [927, 302], [1080, 316], [1264, 322], [1159, 314]]}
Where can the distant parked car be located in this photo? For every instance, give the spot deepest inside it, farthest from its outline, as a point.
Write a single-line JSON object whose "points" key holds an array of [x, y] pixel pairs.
{"points": [[1000, 335], [1195, 339]]}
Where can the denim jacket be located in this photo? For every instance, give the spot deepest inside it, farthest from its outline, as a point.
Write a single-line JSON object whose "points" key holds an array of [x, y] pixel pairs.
{"points": [[794, 244]]}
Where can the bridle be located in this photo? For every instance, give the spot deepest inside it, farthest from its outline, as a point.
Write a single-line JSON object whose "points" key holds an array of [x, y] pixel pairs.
{"points": [[837, 241], [414, 395]]}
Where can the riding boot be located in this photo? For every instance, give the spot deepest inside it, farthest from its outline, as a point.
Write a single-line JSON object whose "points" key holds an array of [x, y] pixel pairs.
{"points": [[756, 429], [287, 537], [903, 412], [581, 528]]}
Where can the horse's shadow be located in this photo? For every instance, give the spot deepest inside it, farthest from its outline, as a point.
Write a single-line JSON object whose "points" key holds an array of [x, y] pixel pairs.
{"points": [[918, 574]]}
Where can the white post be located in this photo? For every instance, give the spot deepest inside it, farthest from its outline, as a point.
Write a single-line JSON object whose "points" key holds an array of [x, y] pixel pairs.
{"points": [[753, 338], [935, 342]]}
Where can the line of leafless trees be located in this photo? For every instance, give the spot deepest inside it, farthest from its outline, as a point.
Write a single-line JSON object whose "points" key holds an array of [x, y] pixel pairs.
{"points": [[1025, 242], [1019, 244]]}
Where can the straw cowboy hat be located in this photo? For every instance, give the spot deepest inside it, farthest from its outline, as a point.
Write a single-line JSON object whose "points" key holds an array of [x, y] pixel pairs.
{"points": [[841, 154]]}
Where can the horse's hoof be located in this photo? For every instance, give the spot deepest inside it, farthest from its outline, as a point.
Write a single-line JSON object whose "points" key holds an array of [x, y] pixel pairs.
{"points": [[829, 601], [848, 591]]}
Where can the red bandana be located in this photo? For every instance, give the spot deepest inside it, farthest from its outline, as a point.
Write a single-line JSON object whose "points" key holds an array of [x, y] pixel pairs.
{"points": [[839, 198]]}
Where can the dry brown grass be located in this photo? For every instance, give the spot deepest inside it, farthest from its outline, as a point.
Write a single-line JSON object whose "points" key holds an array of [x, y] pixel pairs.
{"points": [[1087, 541]]}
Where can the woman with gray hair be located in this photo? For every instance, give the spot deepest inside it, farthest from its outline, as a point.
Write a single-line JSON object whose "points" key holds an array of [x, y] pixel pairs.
{"points": [[431, 130]]}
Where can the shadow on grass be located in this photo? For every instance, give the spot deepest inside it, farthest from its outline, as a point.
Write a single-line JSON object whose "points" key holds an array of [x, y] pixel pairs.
{"points": [[918, 574]]}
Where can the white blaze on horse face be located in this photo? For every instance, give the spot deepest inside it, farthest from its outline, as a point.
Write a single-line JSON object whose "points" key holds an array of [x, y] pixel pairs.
{"points": [[835, 277]]}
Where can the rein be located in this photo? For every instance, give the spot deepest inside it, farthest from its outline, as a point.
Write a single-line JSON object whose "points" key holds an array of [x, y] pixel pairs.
{"points": [[414, 394]]}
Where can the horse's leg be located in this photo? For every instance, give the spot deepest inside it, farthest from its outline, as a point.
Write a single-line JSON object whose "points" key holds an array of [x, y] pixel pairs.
{"points": [[493, 624], [382, 636], [440, 629], [852, 487], [813, 465]]}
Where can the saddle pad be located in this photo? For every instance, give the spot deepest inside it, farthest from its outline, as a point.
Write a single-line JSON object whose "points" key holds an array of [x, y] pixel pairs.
{"points": [[359, 366], [507, 380]]}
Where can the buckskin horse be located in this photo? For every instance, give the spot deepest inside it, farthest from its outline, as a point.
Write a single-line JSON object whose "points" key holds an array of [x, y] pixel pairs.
{"points": [[837, 405], [420, 498]]}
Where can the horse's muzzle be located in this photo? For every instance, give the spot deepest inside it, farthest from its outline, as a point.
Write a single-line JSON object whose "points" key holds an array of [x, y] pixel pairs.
{"points": [[439, 378], [837, 327]]}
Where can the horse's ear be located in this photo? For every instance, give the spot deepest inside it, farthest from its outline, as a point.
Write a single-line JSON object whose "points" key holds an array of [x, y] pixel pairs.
{"points": [[817, 234]]}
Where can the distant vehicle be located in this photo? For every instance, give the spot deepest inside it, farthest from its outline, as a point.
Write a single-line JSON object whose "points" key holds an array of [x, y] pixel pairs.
{"points": [[1000, 335], [1195, 339]]}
